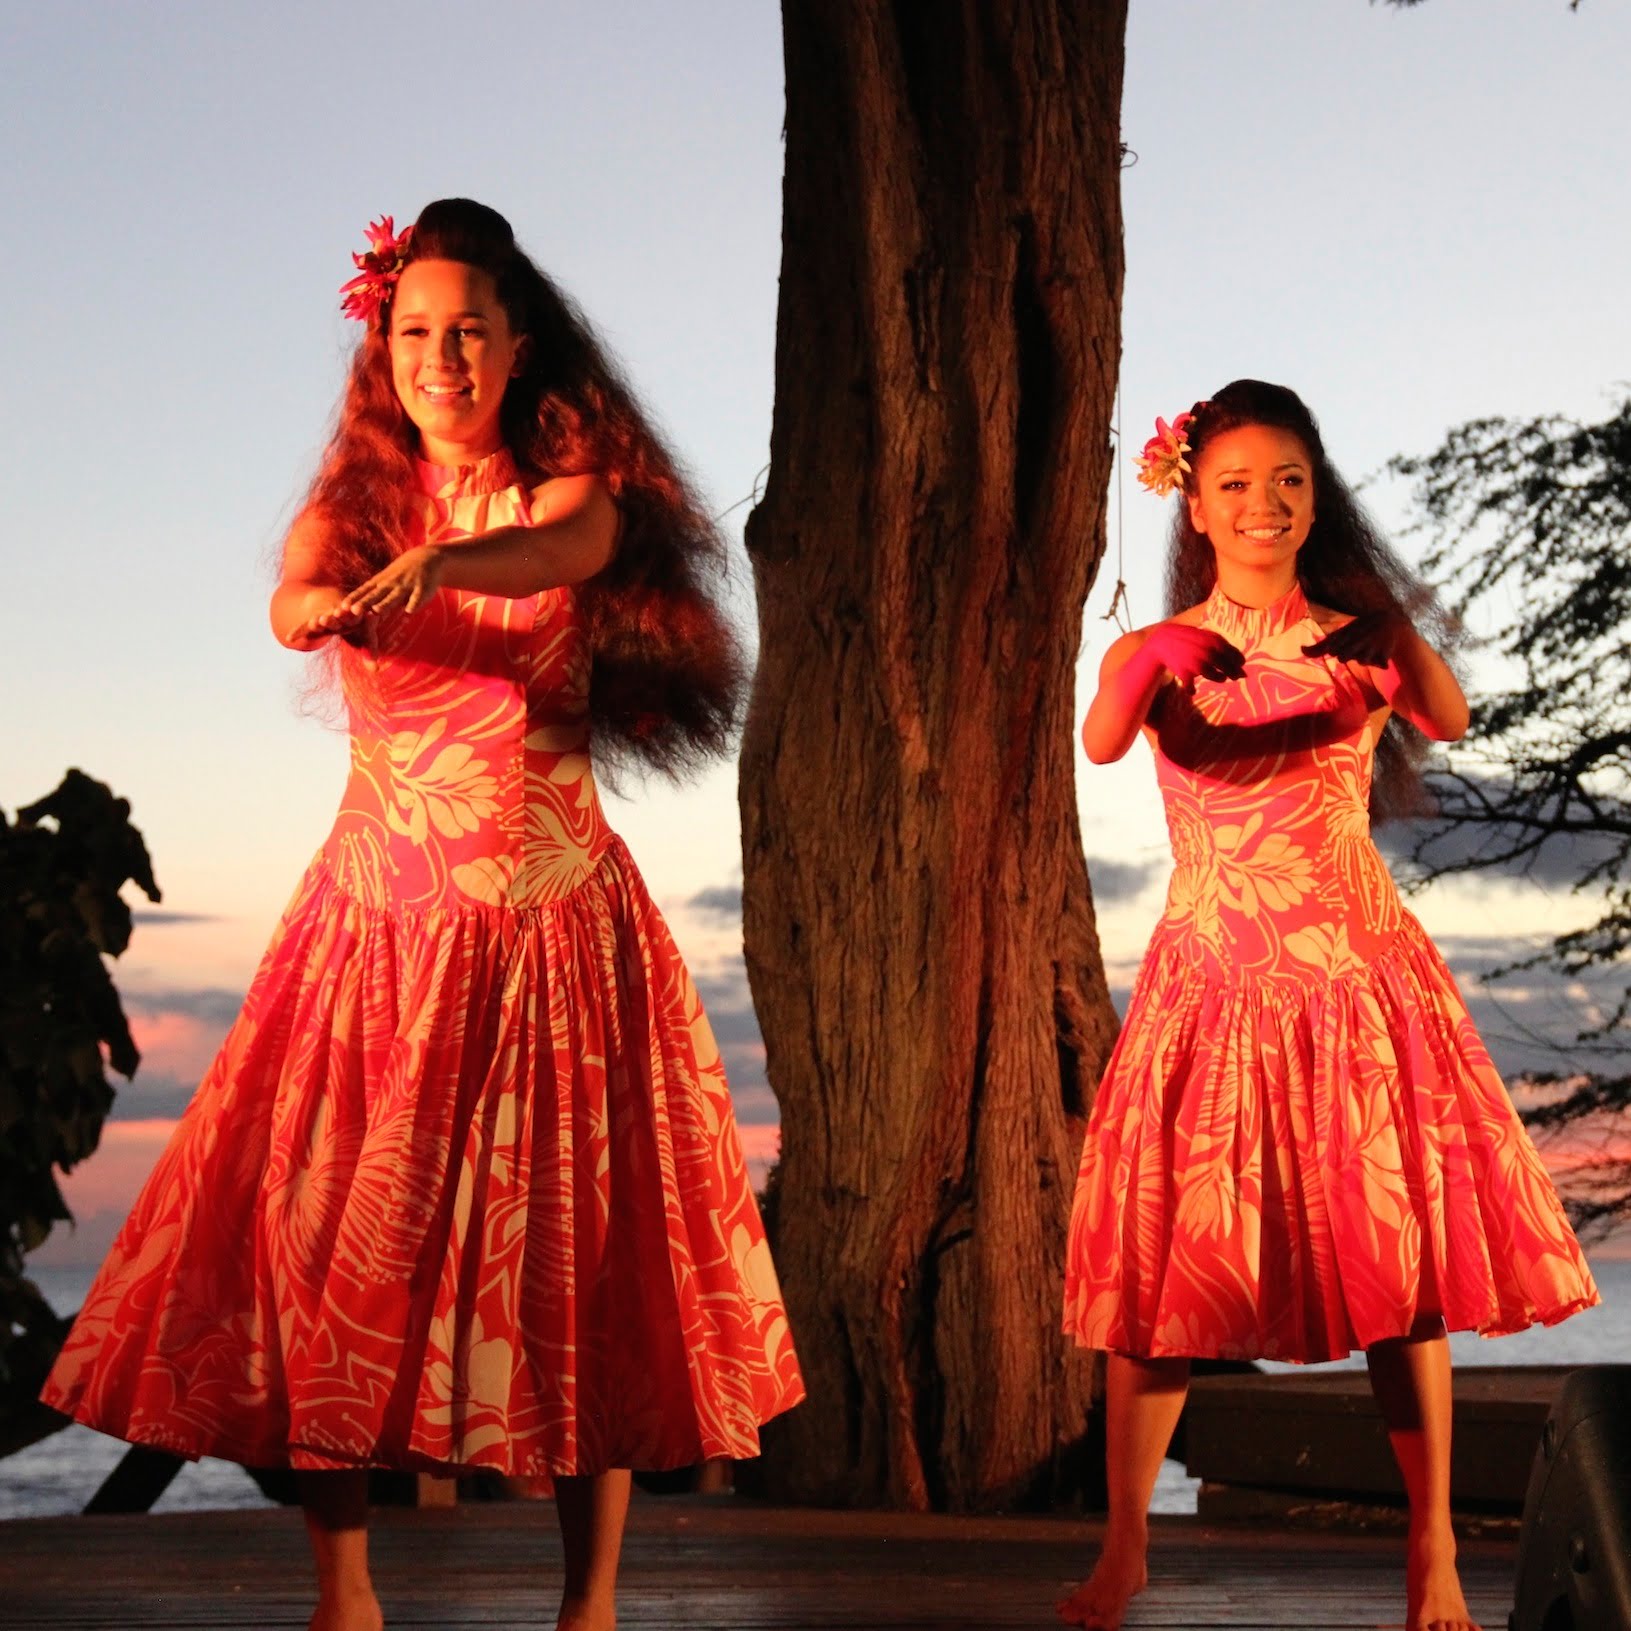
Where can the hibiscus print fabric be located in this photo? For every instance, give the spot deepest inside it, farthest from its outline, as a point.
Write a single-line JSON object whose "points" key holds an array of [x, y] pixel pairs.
{"points": [[1299, 1143], [463, 1187]]}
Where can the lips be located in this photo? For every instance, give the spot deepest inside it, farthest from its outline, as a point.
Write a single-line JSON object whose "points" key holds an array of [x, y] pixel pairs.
{"points": [[1264, 535], [444, 393]]}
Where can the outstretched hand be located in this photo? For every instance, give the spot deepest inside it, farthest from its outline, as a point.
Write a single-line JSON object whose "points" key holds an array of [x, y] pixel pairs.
{"points": [[1371, 639], [334, 619], [405, 585], [1188, 653]]}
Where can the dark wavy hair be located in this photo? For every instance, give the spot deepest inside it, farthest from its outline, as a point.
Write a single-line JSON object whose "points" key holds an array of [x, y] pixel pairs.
{"points": [[1346, 564], [667, 673]]}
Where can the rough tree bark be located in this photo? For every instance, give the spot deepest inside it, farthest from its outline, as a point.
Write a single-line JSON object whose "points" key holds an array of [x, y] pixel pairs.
{"points": [[919, 933]]}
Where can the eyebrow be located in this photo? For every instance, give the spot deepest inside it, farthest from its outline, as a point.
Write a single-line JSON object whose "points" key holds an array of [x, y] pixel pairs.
{"points": [[419, 316], [1244, 470]]}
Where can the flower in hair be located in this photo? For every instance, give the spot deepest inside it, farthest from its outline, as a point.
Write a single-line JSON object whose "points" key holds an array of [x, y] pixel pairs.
{"points": [[378, 268], [1162, 465]]}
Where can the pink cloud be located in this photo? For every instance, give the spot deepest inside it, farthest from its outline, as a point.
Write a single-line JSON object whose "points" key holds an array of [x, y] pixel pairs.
{"points": [[173, 1043], [111, 1177], [101, 1190], [761, 1144]]}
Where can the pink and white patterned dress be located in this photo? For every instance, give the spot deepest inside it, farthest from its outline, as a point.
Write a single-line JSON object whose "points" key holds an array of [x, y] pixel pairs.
{"points": [[1299, 1143], [463, 1187]]}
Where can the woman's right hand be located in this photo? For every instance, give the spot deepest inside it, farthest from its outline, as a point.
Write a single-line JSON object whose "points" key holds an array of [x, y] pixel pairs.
{"points": [[1189, 654], [336, 619], [1134, 670], [305, 610], [305, 615]]}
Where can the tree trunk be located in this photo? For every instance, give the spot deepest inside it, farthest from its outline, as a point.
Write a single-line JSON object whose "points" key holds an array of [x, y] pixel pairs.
{"points": [[919, 933]]}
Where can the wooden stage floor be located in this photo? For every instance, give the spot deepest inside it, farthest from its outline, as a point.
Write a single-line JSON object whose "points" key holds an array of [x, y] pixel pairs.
{"points": [[716, 1563]]}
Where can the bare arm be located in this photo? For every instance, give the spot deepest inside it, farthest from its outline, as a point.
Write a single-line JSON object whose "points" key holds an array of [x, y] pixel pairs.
{"points": [[1133, 671], [1128, 681], [305, 609], [574, 539], [1418, 684]]}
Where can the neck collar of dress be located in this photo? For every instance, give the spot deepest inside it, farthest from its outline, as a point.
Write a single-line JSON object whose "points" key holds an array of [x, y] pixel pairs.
{"points": [[489, 475], [1254, 623]]}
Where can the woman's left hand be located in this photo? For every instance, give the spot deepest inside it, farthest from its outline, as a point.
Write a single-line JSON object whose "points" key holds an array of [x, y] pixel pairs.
{"points": [[1372, 639], [405, 585], [1409, 676]]}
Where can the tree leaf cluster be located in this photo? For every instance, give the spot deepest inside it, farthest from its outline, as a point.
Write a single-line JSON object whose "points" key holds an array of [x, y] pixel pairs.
{"points": [[63, 862], [1531, 520], [1599, 1187], [1529, 529]]}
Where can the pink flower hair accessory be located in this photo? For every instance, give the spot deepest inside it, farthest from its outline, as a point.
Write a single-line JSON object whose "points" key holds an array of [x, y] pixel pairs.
{"points": [[1162, 465], [378, 268]]}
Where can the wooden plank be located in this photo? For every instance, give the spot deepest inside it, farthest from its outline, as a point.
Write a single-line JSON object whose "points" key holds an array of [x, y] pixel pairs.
{"points": [[1320, 1432], [429, 1490], [720, 1563], [1308, 1509]]}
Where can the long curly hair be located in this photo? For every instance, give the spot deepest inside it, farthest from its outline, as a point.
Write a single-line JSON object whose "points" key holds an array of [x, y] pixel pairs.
{"points": [[1346, 564], [667, 673]]}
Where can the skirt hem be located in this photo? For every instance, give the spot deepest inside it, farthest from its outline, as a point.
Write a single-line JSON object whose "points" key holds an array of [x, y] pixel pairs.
{"points": [[1248, 1351], [301, 1457]]}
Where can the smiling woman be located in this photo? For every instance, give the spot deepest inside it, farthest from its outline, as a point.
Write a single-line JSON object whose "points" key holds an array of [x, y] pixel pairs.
{"points": [[1256, 503], [470, 347], [471, 1125], [1299, 1146], [453, 354]]}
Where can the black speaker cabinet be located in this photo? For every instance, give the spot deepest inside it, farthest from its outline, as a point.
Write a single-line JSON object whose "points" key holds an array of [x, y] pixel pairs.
{"points": [[1574, 1554]]}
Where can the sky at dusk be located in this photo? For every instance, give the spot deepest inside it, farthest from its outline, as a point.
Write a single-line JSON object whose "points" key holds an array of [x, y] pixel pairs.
{"points": [[1410, 216]]}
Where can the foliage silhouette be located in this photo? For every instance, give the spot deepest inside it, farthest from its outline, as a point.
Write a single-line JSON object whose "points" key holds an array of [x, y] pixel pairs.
{"points": [[1536, 513], [62, 864]]}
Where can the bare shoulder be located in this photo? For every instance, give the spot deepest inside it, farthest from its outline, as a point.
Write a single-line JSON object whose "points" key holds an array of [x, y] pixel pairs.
{"points": [[1328, 618], [558, 497], [583, 521], [1127, 646], [1122, 650]]}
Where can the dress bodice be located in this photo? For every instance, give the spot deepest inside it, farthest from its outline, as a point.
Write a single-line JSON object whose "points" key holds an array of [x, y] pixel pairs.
{"points": [[1266, 782], [470, 775]]}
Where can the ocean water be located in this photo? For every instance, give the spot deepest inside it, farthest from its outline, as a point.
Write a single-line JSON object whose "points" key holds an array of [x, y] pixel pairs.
{"points": [[61, 1473]]}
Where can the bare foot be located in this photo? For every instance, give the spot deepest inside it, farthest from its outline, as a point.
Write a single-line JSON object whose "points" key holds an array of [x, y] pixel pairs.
{"points": [[347, 1611], [1434, 1600], [586, 1614], [1100, 1602]]}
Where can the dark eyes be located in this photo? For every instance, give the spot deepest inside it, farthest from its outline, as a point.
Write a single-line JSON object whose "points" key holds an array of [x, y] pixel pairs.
{"points": [[416, 331], [1234, 483]]}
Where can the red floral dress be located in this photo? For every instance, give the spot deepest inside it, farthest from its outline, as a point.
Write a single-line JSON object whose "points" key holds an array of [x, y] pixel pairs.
{"points": [[1299, 1142], [463, 1187]]}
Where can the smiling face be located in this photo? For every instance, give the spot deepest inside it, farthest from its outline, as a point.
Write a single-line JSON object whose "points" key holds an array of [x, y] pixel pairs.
{"points": [[452, 355], [1253, 499]]}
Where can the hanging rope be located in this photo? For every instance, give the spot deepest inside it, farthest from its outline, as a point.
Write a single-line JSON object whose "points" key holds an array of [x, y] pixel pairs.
{"points": [[1120, 612], [749, 498]]}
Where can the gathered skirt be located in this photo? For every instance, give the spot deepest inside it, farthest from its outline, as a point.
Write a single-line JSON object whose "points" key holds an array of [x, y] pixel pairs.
{"points": [[1292, 1171], [462, 1189]]}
